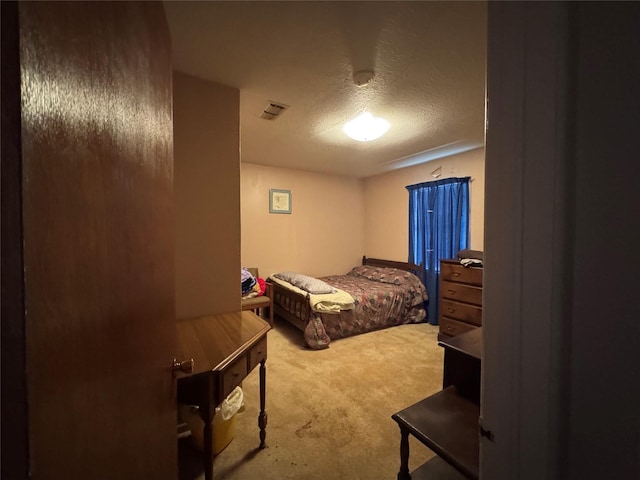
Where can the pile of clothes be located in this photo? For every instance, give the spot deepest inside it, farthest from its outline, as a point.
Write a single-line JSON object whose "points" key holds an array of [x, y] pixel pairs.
{"points": [[471, 258], [251, 286]]}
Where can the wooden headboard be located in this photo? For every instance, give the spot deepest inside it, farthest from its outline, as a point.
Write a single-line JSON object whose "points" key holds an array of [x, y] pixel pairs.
{"points": [[378, 262]]}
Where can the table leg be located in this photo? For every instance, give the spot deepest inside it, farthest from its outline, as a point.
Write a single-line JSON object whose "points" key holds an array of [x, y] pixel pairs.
{"points": [[206, 413], [404, 474], [262, 418]]}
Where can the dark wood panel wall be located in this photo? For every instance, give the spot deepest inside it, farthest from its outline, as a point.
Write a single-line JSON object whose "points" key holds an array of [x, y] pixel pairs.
{"points": [[14, 404]]}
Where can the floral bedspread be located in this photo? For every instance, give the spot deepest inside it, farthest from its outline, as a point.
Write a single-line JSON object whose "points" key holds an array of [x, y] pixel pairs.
{"points": [[384, 297]]}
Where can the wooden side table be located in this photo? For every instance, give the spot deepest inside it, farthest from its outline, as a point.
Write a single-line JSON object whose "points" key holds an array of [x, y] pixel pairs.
{"points": [[225, 349], [447, 422]]}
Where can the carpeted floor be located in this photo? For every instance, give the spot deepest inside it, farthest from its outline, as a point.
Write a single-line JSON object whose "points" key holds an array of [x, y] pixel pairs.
{"points": [[329, 411]]}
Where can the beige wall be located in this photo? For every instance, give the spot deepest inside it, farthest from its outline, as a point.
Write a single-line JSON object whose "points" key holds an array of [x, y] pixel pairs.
{"points": [[387, 203], [323, 235], [335, 220], [207, 196]]}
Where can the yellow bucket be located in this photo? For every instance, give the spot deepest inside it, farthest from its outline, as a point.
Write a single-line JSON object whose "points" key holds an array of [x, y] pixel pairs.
{"points": [[222, 431]]}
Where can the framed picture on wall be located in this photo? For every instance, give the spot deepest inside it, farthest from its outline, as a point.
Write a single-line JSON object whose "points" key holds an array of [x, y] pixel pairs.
{"points": [[279, 201]]}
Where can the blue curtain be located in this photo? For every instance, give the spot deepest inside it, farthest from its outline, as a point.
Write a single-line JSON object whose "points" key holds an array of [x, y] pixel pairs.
{"points": [[438, 228]]}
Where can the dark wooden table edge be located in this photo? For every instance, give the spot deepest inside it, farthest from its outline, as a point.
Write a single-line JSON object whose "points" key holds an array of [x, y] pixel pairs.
{"points": [[471, 411], [469, 343]]}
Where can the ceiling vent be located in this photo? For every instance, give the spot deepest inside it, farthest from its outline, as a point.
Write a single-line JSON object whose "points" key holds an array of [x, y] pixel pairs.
{"points": [[273, 110]]}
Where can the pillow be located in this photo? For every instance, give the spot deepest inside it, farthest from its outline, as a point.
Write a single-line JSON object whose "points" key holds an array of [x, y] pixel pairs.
{"points": [[414, 288], [308, 284], [381, 274]]}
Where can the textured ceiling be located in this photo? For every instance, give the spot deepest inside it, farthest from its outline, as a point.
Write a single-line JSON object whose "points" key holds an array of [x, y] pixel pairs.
{"points": [[429, 61]]}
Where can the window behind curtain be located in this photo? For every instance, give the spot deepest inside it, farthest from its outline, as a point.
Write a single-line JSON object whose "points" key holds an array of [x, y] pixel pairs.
{"points": [[438, 228]]}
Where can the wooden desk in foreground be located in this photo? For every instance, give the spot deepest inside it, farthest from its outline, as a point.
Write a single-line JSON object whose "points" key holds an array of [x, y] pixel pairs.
{"points": [[447, 421], [225, 349]]}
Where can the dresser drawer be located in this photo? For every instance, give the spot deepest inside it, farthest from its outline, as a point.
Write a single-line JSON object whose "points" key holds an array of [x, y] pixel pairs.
{"points": [[454, 272], [233, 375], [461, 311], [449, 326], [461, 292], [257, 354]]}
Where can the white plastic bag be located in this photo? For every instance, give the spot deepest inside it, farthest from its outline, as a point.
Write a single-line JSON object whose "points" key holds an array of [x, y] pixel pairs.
{"points": [[232, 404]]}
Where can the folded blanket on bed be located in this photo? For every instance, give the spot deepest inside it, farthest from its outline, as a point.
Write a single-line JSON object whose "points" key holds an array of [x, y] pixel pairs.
{"points": [[322, 302], [332, 302]]}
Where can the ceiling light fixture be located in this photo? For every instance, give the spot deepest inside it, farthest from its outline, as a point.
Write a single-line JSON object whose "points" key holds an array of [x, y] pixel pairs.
{"points": [[366, 127]]}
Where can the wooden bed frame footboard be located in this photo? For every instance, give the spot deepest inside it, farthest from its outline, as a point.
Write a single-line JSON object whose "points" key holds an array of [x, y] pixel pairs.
{"points": [[300, 303]]}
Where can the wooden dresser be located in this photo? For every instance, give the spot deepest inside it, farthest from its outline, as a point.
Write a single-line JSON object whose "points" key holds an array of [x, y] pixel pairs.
{"points": [[460, 298]]}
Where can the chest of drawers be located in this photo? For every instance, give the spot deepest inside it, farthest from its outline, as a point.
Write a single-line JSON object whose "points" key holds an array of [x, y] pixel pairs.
{"points": [[460, 298]]}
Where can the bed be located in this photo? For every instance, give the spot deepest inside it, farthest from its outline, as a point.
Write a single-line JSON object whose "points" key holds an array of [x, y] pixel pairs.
{"points": [[383, 293]]}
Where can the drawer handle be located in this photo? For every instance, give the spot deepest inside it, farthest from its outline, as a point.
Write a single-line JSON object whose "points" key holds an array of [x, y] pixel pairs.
{"points": [[451, 310], [456, 274], [451, 292], [450, 328], [185, 366]]}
